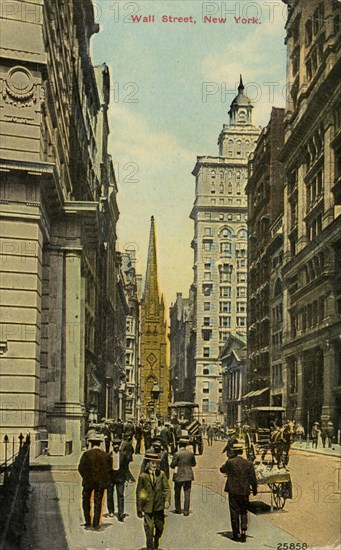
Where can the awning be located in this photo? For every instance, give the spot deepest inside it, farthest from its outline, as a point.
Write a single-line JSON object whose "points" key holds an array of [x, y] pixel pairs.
{"points": [[94, 385], [255, 393]]}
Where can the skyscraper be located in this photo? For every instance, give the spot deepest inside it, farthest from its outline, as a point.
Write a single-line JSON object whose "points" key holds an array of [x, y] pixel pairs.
{"points": [[154, 374], [220, 250]]}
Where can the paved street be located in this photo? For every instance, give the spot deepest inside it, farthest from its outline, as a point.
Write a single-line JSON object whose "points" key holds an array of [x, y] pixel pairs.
{"points": [[55, 518]]}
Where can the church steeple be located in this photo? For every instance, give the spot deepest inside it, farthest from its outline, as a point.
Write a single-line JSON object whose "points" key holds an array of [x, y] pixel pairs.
{"points": [[151, 289], [241, 109]]}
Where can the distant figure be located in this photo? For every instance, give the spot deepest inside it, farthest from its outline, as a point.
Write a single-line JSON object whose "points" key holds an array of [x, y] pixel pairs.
{"points": [[299, 433], [241, 477], [138, 438], [210, 433], [94, 469], [315, 431], [184, 461], [152, 497], [330, 432]]}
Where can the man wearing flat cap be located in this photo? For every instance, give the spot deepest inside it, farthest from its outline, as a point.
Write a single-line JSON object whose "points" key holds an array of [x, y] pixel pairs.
{"points": [[94, 469], [152, 498], [184, 461], [119, 474], [241, 478]]}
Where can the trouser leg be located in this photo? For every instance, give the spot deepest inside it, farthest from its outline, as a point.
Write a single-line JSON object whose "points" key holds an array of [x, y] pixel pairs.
{"points": [[138, 447], [187, 491], [243, 506], [234, 512], [149, 530], [110, 498], [159, 521], [86, 504], [177, 495], [120, 497], [98, 497]]}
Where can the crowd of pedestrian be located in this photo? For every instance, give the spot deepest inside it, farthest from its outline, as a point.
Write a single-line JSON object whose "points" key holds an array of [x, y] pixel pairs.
{"points": [[105, 466]]}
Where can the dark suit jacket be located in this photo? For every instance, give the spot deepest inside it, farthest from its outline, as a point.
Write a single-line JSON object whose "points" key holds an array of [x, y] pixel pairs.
{"points": [[117, 476], [151, 498], [184, 460], [94, 467], [240, 476]]}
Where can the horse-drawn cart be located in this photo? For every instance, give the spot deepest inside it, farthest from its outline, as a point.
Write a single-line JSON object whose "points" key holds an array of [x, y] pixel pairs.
{"points": [[278, 481]]}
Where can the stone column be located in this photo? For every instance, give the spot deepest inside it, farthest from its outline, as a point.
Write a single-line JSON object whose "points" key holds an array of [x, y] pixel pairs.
{"points": [[299, 409], [329, 382]]}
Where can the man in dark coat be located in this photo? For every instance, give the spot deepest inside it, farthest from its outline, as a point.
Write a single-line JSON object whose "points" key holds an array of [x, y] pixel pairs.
{"points": [[184, 461], [118, 476], [241, 477], [152, 497], [138, 438], [128, 449], [94, 469], [118, 429]]}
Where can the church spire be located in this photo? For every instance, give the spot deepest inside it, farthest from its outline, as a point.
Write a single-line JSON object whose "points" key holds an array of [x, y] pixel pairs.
{"points": [[241, 85], [151, 289]]}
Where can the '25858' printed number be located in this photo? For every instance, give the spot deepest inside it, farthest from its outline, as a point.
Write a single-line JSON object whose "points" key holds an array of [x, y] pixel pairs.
{"points": [[292, 546]]}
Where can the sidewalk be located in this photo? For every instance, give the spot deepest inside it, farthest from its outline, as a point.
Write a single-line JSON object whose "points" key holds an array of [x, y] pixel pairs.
{"points": [[335, 450], [55, 520]]}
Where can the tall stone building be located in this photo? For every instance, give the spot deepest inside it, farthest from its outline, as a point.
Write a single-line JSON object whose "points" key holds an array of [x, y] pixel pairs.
{"points": [[312, 208], [180, 315], [132, 356], [220, 250], [154, 372], [59, 214], [265, 204]]}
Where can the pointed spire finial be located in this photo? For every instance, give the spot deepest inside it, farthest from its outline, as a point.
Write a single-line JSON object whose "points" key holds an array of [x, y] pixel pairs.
{"points": [[151, 291], [241, 85]]}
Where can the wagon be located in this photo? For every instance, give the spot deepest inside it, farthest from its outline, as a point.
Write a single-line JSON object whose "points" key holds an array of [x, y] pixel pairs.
{"points": [[277, 480]]}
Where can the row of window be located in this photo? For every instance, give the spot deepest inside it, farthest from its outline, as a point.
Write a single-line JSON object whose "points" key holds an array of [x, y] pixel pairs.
{"points": [[225, 217], [310, 316], [226, 233]]}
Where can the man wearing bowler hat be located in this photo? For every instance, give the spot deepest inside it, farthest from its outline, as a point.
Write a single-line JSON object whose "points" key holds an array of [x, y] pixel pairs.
{"points": [[241, 477], [119, 474], [184, 461], [94, 469], [152, 497]]}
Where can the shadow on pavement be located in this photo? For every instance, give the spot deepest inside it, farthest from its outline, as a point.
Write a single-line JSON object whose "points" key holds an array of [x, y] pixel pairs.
{"points": [[259, 507]]}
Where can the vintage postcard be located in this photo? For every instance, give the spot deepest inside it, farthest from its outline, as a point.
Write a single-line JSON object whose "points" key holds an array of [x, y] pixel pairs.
{"points": [[170, 335]]}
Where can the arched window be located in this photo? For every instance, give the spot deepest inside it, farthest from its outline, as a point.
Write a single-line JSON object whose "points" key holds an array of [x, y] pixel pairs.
{"points": [[242, 234], [221, 188], [229, 188]]}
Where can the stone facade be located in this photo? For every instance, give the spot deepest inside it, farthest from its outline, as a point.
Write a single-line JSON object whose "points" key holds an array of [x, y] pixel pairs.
{"points": [[312, 207], [59, 215], [132, 356], [265, 203], [233, 358], [179, 336], [154, 372], [220, 251]]}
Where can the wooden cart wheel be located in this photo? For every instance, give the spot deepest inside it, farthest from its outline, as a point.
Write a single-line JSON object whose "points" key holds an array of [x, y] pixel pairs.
{"points": [[279, 495]]}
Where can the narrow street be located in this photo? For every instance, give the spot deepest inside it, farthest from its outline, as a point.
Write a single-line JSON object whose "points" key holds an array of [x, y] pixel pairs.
{"points": [[55, 519]]}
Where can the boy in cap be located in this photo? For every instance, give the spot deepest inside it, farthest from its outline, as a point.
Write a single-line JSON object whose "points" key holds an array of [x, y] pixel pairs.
{"points": [[241, 477], [94, 469], [152, 497]]}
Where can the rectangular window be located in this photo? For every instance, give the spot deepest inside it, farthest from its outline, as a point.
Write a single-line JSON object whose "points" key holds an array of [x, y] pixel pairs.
{"points": [[208, 232], [241, 307], [206, 352], [225, 322], [207, 215], [241, 291], [207, 276], [225, 292], [205, 405], [207, 306], [207, 321], [206, 387], [241, 277], [225, 307], [206, 335]]}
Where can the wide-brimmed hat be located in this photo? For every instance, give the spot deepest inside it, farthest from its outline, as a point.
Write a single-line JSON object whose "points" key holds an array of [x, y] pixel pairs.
{"points": [[117, 441], [316, 424], [231, 431], [238, 447], [95, 438], [184, 440], [152, 456]]}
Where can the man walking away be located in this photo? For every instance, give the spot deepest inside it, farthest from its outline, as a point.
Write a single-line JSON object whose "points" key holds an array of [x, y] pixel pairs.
{"points": [[138, 437], [330, 433], [152, 497], [240, 478], [94, 469], [184, 461], [210, 433], [315, 431]]}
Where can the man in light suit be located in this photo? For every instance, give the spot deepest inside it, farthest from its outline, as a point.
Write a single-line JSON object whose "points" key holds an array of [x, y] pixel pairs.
{"points": [[152, 497], [184, 461], [241, 477]]}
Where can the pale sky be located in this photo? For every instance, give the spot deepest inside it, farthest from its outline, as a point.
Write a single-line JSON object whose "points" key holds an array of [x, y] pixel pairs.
{"points": [[171, 88]]}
